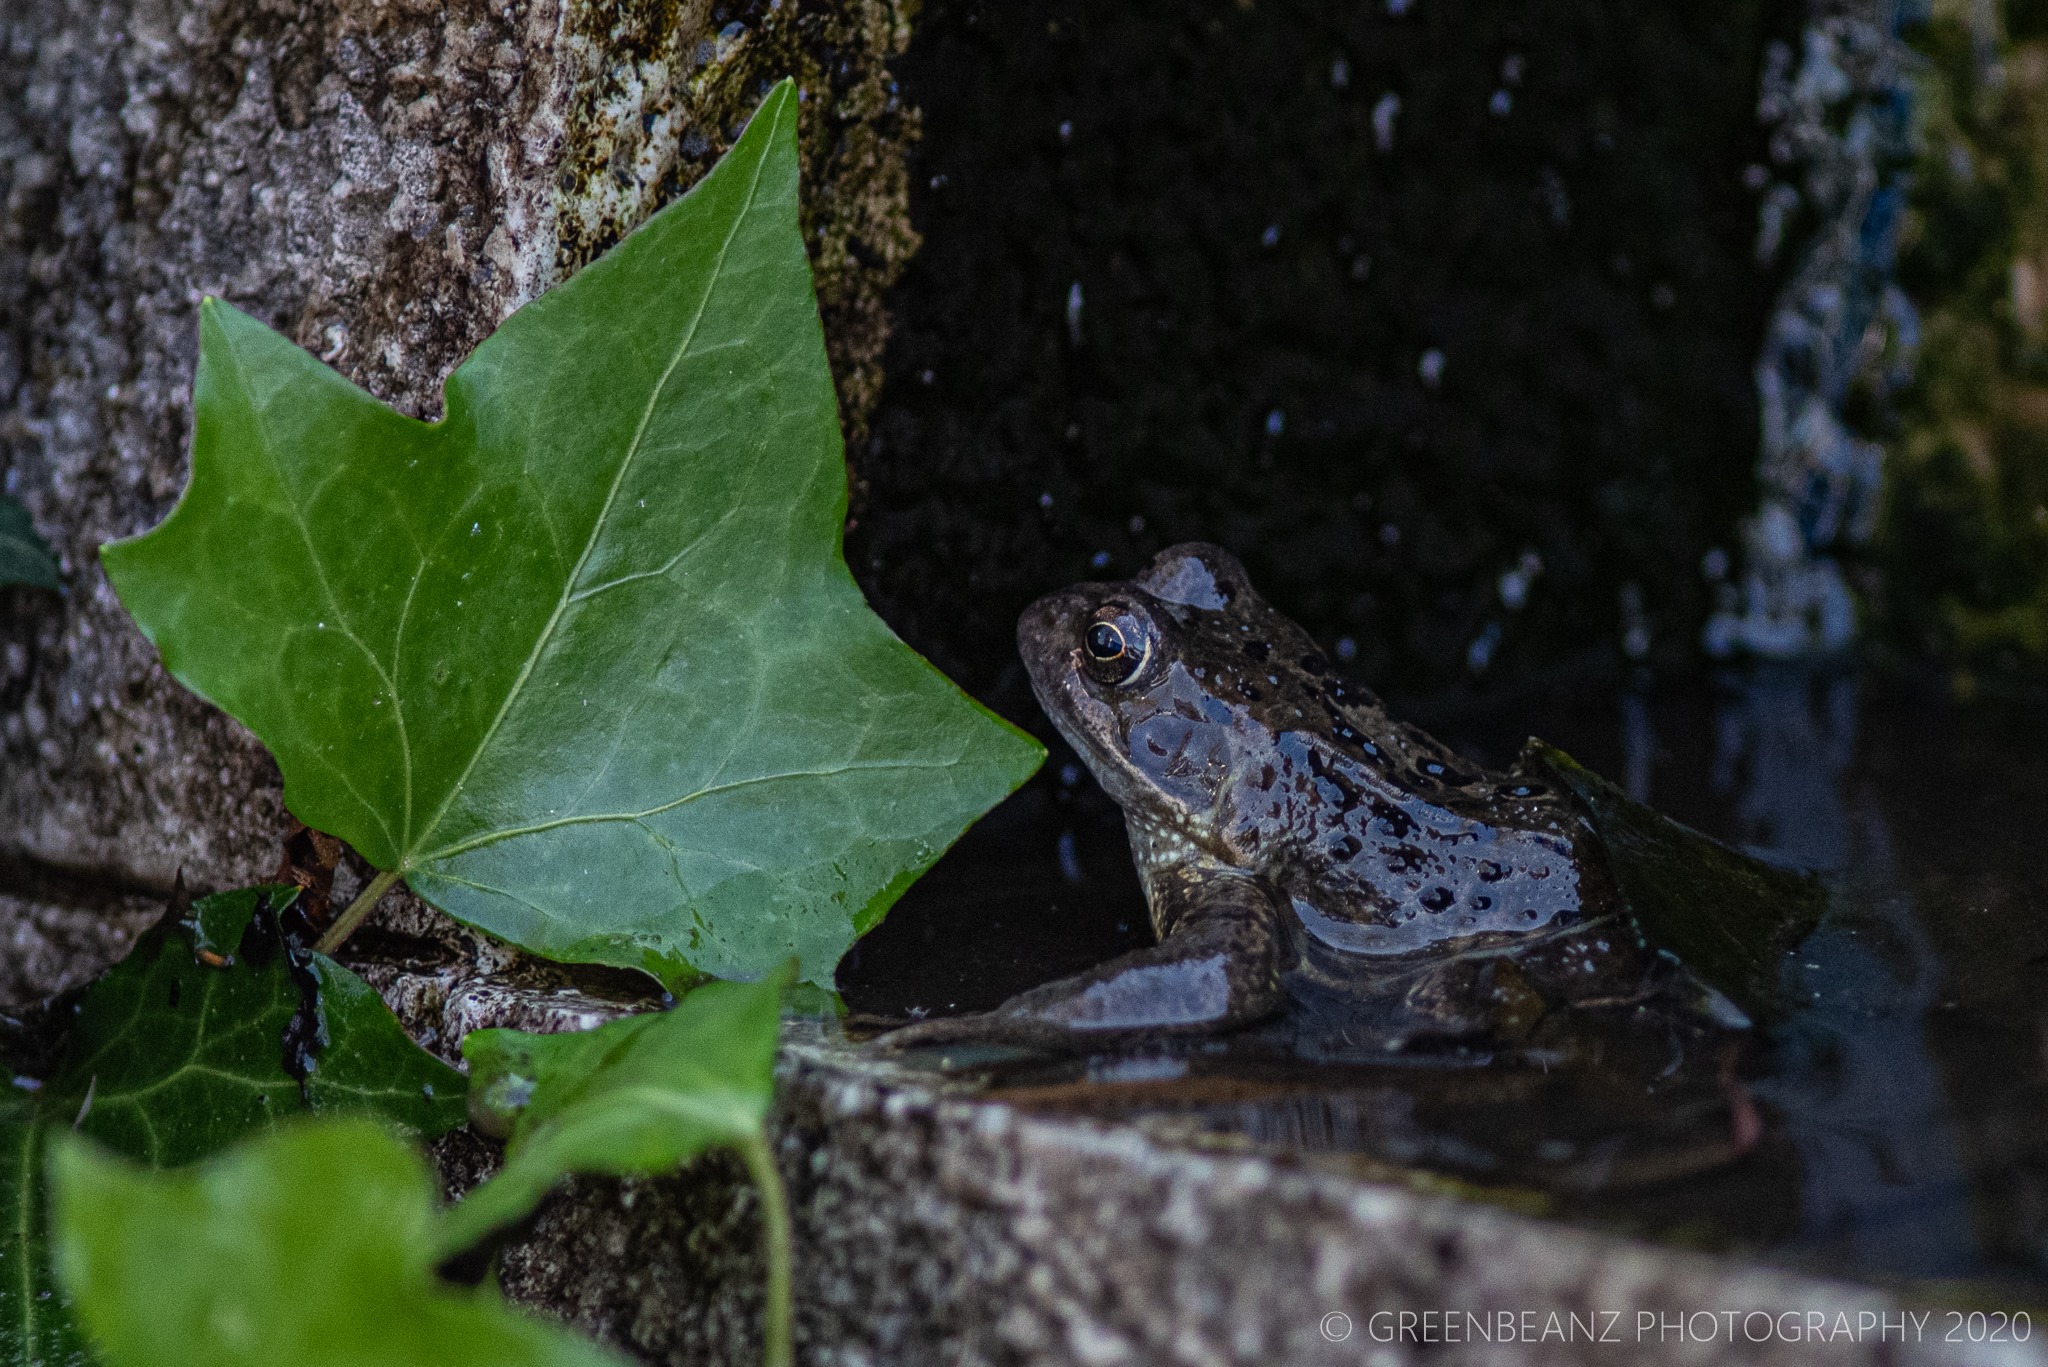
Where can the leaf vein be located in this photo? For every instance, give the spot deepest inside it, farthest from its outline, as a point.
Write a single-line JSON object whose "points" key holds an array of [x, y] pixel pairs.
{"points": [[601, 818], [597, 525], [595, 589], [298, 518]]}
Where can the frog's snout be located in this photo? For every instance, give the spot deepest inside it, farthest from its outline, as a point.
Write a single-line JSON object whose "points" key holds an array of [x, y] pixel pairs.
{"points": [[1047, 636], [1049, 642]]}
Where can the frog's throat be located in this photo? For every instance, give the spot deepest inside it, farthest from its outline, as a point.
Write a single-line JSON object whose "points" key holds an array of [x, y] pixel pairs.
{"points": [[1066, 712]]}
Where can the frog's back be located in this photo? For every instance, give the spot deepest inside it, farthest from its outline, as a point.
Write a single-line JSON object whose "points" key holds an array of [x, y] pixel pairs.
{"points": [[1386, 840]]}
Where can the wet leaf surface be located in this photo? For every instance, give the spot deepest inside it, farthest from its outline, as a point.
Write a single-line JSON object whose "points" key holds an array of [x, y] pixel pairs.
{"points": [[217, 923], [24, 559], [278, 1253], [179, 1051], [582, 661], [640, 1095]]}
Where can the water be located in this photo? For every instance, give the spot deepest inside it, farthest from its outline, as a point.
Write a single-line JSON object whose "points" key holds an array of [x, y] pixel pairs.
{"points": [[1899, 1117]]}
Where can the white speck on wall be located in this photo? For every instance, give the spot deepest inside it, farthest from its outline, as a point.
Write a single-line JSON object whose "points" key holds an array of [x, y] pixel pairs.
{"points": [[1384, 112]]}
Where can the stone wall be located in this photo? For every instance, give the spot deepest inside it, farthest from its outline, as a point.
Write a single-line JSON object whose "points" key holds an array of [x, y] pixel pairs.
{"points": [[383, 180]]}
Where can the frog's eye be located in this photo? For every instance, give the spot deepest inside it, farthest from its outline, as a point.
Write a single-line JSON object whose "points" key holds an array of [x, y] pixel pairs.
{"points": [[1105, 642], [1116, 643]]}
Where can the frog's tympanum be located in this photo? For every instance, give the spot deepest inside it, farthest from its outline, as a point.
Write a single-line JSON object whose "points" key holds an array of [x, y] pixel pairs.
{"points": [[1308, 861]]}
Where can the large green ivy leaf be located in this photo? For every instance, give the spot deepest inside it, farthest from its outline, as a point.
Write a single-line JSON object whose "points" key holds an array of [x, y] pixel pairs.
{"points": [[24, 559], [638, 1095], [307, 1248], [178, 1052], [582, 661]]}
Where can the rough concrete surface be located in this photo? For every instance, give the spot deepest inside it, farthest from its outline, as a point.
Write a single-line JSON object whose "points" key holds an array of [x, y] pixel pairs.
{"points": [[935, 1228], [383, 180]]}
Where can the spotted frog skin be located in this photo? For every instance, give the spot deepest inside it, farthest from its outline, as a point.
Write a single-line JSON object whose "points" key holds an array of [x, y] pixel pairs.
{"points": [[1308, 861]]}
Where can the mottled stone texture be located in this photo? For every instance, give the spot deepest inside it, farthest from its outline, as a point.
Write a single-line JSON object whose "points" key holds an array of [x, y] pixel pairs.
{"points": [[384, 180], [935, 1229]]}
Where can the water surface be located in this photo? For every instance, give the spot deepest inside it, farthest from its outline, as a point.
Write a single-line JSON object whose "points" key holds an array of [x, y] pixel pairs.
{"points": [[1895, 1127]]}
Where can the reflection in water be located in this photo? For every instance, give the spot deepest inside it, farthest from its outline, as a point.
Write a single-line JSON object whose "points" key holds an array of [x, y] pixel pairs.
{"points": [[1638, 740], [1859, 1092]]}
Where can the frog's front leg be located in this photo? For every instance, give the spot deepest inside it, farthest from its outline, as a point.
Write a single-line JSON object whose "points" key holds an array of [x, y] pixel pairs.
{"points": [[1216, 967]]}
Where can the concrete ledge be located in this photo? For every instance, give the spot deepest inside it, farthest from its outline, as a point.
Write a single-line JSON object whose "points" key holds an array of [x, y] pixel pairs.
{"points": [[934, 1228]]}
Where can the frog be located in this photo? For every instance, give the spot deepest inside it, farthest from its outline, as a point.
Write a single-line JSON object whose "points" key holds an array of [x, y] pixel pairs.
{"points": [[1314, 869]]}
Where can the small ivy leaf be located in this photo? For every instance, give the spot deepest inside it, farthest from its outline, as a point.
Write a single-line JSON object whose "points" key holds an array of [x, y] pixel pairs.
{"points": [[299, 1249], [176, 1053], [582, 661], [366, 1062], [217, 921], [24, 558], [637, 1096]]}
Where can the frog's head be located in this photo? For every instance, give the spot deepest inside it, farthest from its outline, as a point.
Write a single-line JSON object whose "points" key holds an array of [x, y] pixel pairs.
{"points": [[1150, 679]]}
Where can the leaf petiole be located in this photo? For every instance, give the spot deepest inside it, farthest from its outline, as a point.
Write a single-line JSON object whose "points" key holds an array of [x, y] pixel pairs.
{"points": [[358, 911], [775, 1250]]}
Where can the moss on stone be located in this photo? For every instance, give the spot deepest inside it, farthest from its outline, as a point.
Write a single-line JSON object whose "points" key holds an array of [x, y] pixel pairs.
{"points": [[1964, 553], [669, 84]]}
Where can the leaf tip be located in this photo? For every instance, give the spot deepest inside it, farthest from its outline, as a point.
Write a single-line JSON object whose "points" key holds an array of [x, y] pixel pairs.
{"points": [[768, 116], [214, 313]]}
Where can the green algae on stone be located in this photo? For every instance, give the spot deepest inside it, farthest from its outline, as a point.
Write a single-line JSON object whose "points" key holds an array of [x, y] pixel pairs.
{"points": [[666, 94], [1964, 545]]}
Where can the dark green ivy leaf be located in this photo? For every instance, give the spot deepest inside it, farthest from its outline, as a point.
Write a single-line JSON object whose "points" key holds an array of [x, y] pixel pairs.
{"points": [[362, 1060], [582, 661], [24, 559], [217, 921], [637, 1096], [171, 1057], [310, 1247]]}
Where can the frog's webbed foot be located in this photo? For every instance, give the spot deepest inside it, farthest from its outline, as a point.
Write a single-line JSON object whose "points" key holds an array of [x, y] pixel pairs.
{"points": [[1217, 969]]}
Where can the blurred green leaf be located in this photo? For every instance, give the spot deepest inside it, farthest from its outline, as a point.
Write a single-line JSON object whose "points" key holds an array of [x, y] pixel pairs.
{"points": [[170, 1057], [582, 661], [310, 1247], [640, 1095], [24, 558]]}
